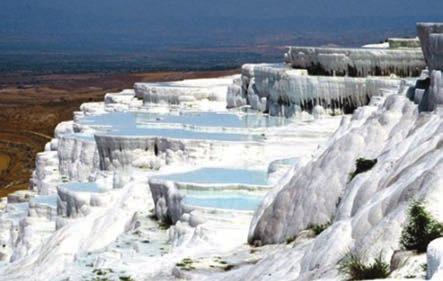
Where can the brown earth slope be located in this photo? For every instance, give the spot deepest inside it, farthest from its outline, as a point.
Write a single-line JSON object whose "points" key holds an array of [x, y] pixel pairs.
{"points": [[32, 105]]}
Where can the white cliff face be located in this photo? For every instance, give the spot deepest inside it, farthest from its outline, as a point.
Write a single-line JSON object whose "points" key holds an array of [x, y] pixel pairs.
{"points": [[357, 62], [184, 92], [279, 90], [47, 174], [431, 37], [78, 157]]}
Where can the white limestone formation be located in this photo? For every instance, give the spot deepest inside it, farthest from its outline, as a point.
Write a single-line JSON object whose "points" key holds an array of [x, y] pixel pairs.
{"points": [[284, 91], [78, 157], [168, 201], [367, 213], [431, 37], [171, 155], [213, 89], [234, 96], [435, 95], [357, 62]]}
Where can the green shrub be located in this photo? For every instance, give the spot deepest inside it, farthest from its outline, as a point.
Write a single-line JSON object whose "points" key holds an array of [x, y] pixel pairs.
{"points": [[362, 165], [186, 264], [319, 228], [291, 239], [420, 230], [353, 268]]}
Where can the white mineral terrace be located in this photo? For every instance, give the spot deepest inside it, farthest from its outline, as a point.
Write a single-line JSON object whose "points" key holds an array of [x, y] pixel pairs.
{"points": [[282, 91], [204, 180], [109, 177], [357, 62]]}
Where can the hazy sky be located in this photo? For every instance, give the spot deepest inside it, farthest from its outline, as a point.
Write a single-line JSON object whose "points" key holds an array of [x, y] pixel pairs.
{"points": [[133, 24]]}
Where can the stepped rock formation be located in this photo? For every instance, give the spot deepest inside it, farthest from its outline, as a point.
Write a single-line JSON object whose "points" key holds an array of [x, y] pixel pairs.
{"points": [[208, 160], [337, 79], [279, 90], [356, 62], [431, 36]]}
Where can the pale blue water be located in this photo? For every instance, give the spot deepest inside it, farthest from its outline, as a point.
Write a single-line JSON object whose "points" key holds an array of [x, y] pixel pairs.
{"points": [[223, 200], [113, 119], [50, 200], [138, 124], [184, 134], [83, 187], [16, 211], [214, 119], [220, 176], [203, 119], [125, 124]]}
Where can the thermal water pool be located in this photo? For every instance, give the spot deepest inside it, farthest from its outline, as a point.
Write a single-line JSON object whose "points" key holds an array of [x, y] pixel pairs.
{"points": [[221, 188], [144, 123], [49, 200], [90, 187], [220, 176], [230, 200]]}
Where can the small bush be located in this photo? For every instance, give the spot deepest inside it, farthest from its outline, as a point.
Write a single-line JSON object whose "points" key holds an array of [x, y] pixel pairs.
{"points": [[420, 230], [186, 264], [290, 239], [362, 165], [319, 228], [353, 267]]}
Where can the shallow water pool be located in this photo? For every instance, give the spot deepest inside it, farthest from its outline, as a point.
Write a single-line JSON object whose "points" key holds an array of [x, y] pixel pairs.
{"points": [[49, 200], [203, 119], [126, 124], [220, 176], [223, 200], [91, 187], [142, 123]]}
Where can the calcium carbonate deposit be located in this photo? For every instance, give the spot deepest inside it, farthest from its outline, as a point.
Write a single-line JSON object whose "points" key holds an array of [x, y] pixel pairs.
{"points": [[255, 176]]}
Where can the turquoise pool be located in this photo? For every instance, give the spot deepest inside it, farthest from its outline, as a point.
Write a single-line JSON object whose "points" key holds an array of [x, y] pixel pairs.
{"points": [[220, 176]]}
